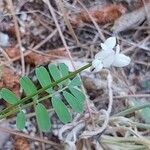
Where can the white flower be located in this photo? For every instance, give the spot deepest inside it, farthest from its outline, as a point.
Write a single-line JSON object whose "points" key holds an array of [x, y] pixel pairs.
{"points": [[110, 56]]}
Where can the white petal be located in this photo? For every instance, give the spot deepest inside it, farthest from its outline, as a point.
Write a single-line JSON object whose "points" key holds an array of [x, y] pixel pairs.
{"points": [[98, 68], [121, 60], [110, 42], [117, 48], [95, 62], [104, 54], [107, 62], [105, 47], [97, 65]]}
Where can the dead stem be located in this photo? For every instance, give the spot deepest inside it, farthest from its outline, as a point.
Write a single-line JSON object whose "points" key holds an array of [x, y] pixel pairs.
{"points": [[65, 16], [94, 22], [125, 96], [10, 3], [32, 138]]}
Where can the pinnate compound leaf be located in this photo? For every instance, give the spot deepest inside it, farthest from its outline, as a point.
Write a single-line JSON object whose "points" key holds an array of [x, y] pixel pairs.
{"points": [[44, 78], [61, 110], [9, 96], [42, 117], [78, 94], [20, 121], [28, 86], [76, 105], [75, 82]]}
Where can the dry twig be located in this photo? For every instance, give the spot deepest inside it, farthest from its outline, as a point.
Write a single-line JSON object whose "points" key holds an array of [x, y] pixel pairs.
{"points": [[10, 3]]}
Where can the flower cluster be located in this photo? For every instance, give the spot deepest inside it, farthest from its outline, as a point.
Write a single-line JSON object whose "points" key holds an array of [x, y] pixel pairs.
{"points": [[110, 56]]}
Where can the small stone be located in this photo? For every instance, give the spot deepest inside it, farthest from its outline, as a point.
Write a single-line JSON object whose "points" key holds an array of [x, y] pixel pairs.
{"points": [[23, 49], [32, 134], [23, 16], [4, 39], [22, 30], [36, 143]]}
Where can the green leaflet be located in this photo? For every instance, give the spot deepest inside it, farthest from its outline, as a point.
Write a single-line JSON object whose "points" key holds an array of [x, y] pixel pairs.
{"points": [[75, 82], [28, 86], [20, 121], [54, 71], [44, 78], [73, 102], [64, 72], [9, 96], [61, 110], [78, 94], [144, 113], [42, 117], [63, 69]]}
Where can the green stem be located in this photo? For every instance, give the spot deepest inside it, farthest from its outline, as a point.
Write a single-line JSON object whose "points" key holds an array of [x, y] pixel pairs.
{"points": [[30, 104], [25, 99], [131, 110]]}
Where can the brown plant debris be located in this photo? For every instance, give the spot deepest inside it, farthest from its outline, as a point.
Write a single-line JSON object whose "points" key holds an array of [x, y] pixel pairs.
{"points": [[101, 15], [10, 80], [21, 143], [35, 58], [130, 20]]}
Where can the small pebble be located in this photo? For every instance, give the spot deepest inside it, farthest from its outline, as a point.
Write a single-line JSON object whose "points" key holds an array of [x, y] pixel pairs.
{"points": [[32, 134], [23, 16], [23, 49], [22, 30], [4, 39], [36, 143]]}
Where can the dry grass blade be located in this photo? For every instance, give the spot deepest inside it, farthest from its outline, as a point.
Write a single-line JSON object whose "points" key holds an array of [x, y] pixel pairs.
{"points": [[59, 29], [93, 21], [10, 3], [123, 142], [56, 145], [65, 15]]}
